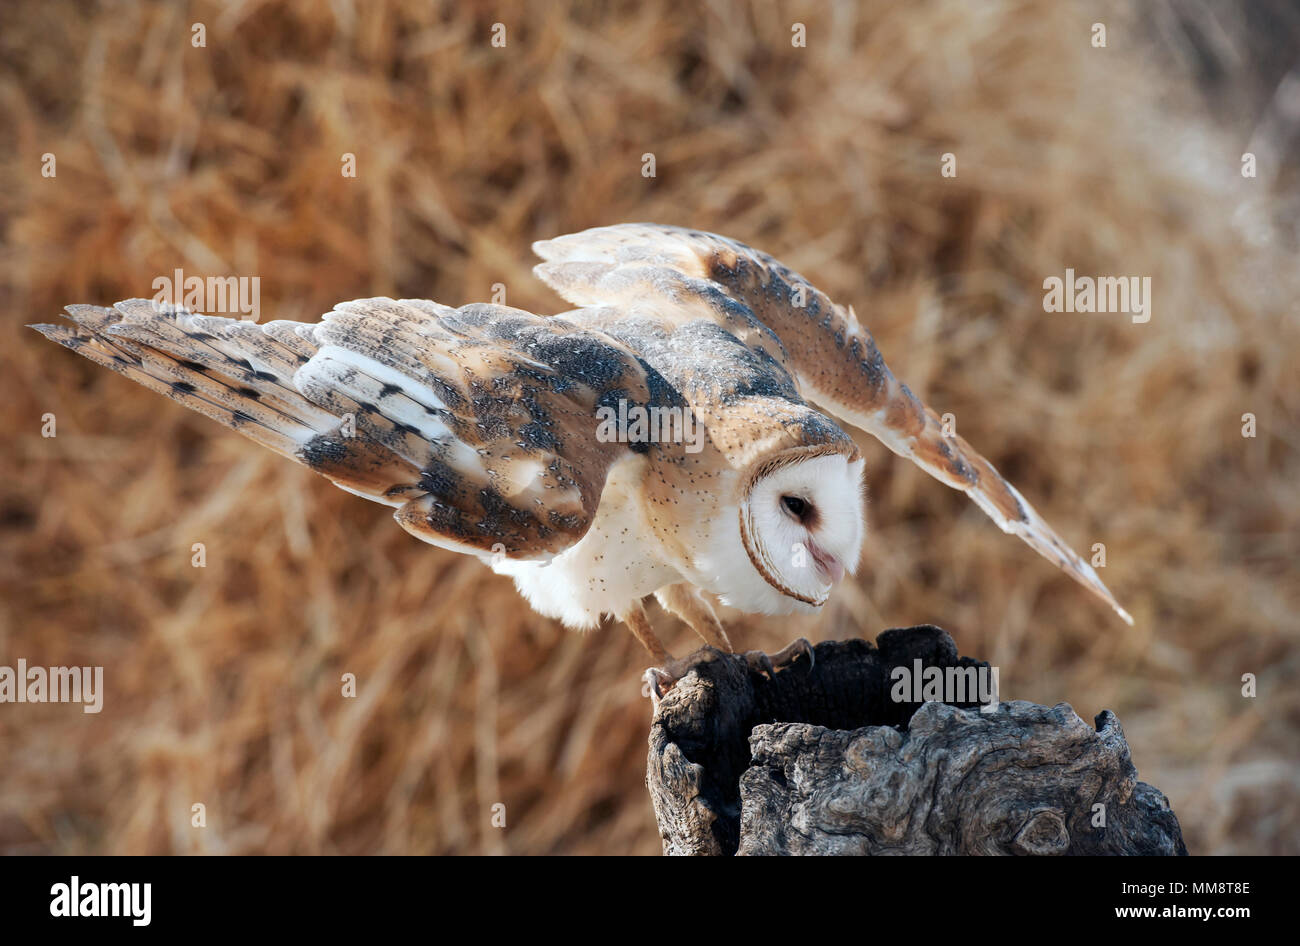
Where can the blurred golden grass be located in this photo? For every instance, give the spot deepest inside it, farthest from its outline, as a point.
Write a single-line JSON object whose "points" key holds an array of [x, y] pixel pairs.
{"points": [[223, 683]]}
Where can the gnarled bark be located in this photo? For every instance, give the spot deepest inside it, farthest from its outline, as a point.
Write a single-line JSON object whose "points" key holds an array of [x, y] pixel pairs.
{"points": [[824, 761]]}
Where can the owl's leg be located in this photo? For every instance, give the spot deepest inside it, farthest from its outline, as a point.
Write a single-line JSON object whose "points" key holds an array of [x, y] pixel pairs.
{"points": [[639, 625], [661, 677], [693, 608]]}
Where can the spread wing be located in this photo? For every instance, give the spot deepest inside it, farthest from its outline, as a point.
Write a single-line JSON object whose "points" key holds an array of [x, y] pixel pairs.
{"points": [[477, 423], [835, 360]]}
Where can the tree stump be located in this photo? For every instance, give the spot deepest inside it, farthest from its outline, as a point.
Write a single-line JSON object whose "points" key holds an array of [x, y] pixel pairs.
{"points": [[823, 760]]}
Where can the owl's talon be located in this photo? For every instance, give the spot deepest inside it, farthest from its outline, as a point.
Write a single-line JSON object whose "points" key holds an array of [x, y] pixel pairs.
{"points": [[658, 681], [769, 664], [799, 646], [759, 662]]}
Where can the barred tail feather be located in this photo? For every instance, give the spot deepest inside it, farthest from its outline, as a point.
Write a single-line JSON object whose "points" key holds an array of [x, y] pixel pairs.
{"points": [[241, 375]]}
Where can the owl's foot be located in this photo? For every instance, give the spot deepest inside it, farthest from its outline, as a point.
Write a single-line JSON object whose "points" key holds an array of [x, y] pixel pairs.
{"points": [[770, 663], [657, 681]]}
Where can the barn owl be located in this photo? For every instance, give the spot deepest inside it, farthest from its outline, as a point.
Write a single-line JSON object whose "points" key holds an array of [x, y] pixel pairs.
{"points": [[659, 439]]}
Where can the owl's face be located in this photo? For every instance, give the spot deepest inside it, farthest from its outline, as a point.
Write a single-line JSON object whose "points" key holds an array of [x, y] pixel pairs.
{"points": [[801, 529]]}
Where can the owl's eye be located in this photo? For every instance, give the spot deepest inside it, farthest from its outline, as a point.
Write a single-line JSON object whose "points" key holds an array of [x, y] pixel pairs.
{"points": [[799, 508]]}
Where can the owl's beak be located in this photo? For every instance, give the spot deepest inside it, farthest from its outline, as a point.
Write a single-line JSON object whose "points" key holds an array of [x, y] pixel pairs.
{"points": [[828, 566]]}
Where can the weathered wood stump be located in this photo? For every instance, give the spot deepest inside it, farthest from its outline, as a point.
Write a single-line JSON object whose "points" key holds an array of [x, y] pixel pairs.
{"points": [[823, 760]]}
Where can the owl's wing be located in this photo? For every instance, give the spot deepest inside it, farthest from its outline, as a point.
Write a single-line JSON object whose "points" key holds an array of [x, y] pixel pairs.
{"points": [[477, 423], [835, 360]]}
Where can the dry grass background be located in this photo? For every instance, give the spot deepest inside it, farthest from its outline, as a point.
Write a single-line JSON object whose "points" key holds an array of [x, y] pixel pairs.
{"points": [[222, 683]]}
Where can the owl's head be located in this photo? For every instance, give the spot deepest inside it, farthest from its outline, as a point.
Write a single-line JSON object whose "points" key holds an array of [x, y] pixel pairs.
{"points": [[801, 523]]}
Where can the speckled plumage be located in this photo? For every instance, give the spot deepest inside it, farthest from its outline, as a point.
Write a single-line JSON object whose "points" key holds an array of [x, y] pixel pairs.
{"points": [[480, 424]]}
